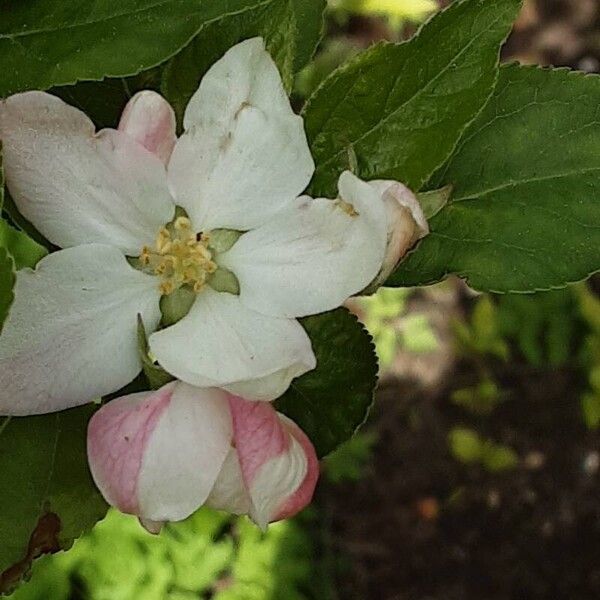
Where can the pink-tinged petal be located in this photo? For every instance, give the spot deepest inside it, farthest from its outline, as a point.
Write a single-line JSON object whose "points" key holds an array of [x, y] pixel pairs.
{"points": [[303, 495], [78, 187], [149, 119], [258, 434], [406, 225], [158, 455], [277, 462], [117, 438]]}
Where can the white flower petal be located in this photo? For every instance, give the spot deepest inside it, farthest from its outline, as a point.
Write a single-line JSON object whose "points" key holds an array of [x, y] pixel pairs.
{"points": [[158, 454], [245, 73], [314, 254], [185, 454], [77, 187], [229, 492], [70, 336], [267, 387], [220, 342], [244, 152]]}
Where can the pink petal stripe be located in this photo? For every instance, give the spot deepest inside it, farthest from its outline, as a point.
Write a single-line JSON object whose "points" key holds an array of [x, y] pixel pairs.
{"points": [[117, 437], [257, 433], [261, 435], [303, 495]]}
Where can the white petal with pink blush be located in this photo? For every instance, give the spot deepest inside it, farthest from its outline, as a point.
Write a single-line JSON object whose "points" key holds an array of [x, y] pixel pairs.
{"points": [[165, 205], [161, 455]]}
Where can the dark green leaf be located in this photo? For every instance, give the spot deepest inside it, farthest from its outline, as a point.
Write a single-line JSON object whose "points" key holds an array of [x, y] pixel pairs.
{"points": [[46, 43], [291, 29], [310, 24], [525, 211], [332, 401], [403, 107], [7, 264], [103, 101], [48, 497]]}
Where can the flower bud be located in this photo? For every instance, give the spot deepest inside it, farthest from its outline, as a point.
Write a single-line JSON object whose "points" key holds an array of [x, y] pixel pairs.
{"points": [[406, 226], [150, 120], [161, 455]]}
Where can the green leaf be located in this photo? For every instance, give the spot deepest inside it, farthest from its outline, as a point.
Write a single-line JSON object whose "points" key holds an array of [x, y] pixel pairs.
{"points": [[525, 211], [155, 374], [544, 326], [465, 444], [590, 406], [21, 223], [7, 264], [48, 497], [310, 25], [468, 447], [25, 252], [350, 461], [7, 284], [403, 107], [104, 101], [291, 29], [499, 458], [432, 202], [332, 401], [46, 43], [1, 181], [22, 249]]}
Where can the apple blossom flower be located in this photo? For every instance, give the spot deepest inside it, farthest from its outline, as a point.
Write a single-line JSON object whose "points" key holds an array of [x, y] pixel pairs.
{"points": [[161, 455], [406, 226], [205, 237]]}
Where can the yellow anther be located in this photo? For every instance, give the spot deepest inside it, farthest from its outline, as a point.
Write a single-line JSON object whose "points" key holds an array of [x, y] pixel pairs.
{"points": [[166, 288], [182, 224], [179, 257]]}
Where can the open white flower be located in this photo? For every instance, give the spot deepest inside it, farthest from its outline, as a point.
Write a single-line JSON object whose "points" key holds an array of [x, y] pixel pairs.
{"points": [[246, 252]]}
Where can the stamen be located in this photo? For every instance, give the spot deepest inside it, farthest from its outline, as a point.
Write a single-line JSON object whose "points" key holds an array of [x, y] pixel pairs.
{"points": [[179, 257]]}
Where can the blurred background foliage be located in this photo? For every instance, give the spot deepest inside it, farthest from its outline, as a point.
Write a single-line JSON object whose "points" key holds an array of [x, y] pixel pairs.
{"points": [[477, 474]]}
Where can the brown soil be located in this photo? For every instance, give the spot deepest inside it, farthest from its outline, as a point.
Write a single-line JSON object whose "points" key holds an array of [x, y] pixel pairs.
{"points": [[422, 526]]}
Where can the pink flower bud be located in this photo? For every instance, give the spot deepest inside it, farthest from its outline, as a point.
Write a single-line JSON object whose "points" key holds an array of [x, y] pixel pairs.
{"points": [[149, 119], [161, 455]]}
